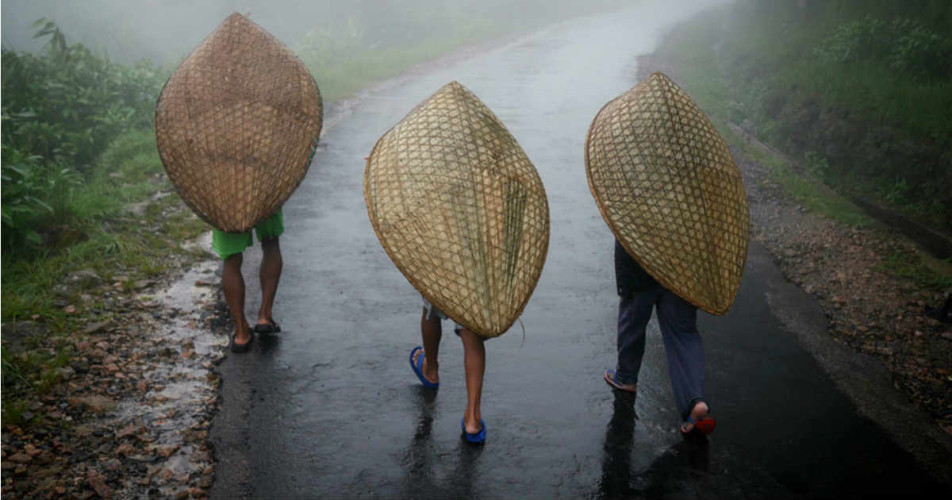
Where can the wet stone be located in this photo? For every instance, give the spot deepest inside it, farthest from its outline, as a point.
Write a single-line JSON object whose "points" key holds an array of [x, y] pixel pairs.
{"points": [[96, 327]]}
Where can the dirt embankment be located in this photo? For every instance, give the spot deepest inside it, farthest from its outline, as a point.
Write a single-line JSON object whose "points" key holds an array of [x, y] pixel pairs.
{"points": [[869, 308], [129, 414]]}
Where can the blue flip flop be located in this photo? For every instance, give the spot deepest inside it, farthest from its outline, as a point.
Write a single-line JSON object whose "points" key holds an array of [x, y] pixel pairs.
{"points": [[611, 378], [476, 437], [418, 369]]}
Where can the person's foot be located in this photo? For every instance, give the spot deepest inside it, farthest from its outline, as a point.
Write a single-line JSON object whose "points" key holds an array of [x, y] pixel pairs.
{"points": [[241, 341], [474, 431], [430, 372], [698, 420], [611, 378], [418, 363], [472, 425], [267, 325]]}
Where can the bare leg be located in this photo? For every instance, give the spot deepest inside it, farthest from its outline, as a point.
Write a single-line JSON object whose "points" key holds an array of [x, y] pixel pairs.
{"points": [[270, 274], [432, 332], [233, 284], [474, 358]]}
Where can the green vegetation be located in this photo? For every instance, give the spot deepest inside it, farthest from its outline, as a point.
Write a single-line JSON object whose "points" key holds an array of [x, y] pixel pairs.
{"points": [[61, 109], [860, 92], [809, 191], [81, 175], [924, 271]]}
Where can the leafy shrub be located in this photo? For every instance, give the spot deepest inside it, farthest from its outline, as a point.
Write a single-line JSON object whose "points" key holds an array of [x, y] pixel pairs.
{"points": [[903, 45], [857, 40], [36, 195], [61, 109], [817, 165], [66, 104], [918, 51]]}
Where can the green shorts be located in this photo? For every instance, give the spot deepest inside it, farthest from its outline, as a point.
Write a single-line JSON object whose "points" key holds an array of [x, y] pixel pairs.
{"points": [[228, 244]]}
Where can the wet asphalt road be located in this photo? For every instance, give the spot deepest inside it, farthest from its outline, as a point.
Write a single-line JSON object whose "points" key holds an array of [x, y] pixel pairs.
{"points": [[330, 408]]}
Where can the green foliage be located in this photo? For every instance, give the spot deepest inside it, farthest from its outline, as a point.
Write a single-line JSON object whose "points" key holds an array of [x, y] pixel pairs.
{"points": [[926, 272], [858, 40], [817, 165], [903, 44], [66, 104], [61, 109], [807, 187], [818, 197], [36, 196], [23, 202]]}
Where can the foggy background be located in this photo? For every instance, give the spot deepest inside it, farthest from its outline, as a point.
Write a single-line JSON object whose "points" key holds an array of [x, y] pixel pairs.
{"points": [[164, 31]]}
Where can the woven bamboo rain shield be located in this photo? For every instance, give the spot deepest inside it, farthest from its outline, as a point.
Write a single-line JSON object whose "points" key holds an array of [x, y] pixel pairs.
{"points": [[460, 210], [237, 125], [666, 184]]}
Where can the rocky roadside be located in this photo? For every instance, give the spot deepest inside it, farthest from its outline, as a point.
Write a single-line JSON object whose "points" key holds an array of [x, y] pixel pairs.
{"points": [[869, 308], [129, 415]]}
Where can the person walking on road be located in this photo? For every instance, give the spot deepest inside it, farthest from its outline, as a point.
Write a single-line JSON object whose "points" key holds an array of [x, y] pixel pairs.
{"points": [[427, 368], [236, 126], [665, 183], [640, 294], [462, 212], [231, 246]]}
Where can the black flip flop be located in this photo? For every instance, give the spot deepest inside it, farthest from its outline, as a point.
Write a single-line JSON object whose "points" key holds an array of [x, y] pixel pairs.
{"points": [[240, 348], [272, 328]]}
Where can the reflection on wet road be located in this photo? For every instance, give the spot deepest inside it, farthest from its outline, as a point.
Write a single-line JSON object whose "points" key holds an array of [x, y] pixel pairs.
{"points": [[330, 408]]}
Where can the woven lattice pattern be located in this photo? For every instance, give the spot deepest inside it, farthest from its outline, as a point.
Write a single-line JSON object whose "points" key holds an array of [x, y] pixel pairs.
{"points": [[237, 125], [460, 209], [666, 184]]}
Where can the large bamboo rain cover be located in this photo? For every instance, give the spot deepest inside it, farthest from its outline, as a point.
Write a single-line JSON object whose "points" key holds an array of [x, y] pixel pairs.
{"points": [[460, 210], [666, 184], [237, 125]]}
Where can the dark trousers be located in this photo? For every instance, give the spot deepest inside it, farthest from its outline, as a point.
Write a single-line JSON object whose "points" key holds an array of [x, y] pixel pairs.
{"points": [[682, 342]]}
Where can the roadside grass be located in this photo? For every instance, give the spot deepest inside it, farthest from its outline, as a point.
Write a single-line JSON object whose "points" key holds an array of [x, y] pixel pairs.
{"points": [[871, 89], [811, 193], [925, 271]]}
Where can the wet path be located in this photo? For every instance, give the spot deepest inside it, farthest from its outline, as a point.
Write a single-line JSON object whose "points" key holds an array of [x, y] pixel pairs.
{"points": [[330, 407]]}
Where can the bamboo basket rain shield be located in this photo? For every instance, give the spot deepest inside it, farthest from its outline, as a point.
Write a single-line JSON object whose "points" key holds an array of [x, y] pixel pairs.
{"points": [[460, 210], [667, 186], [237, 125]]}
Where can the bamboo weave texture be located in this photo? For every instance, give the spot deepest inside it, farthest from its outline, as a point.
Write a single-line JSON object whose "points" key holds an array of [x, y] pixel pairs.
{"points": [[237, 125], [460, 209], [667, 186]]}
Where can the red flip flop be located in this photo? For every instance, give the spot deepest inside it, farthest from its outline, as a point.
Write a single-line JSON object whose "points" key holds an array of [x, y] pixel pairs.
{"points": [[704, 425]]}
